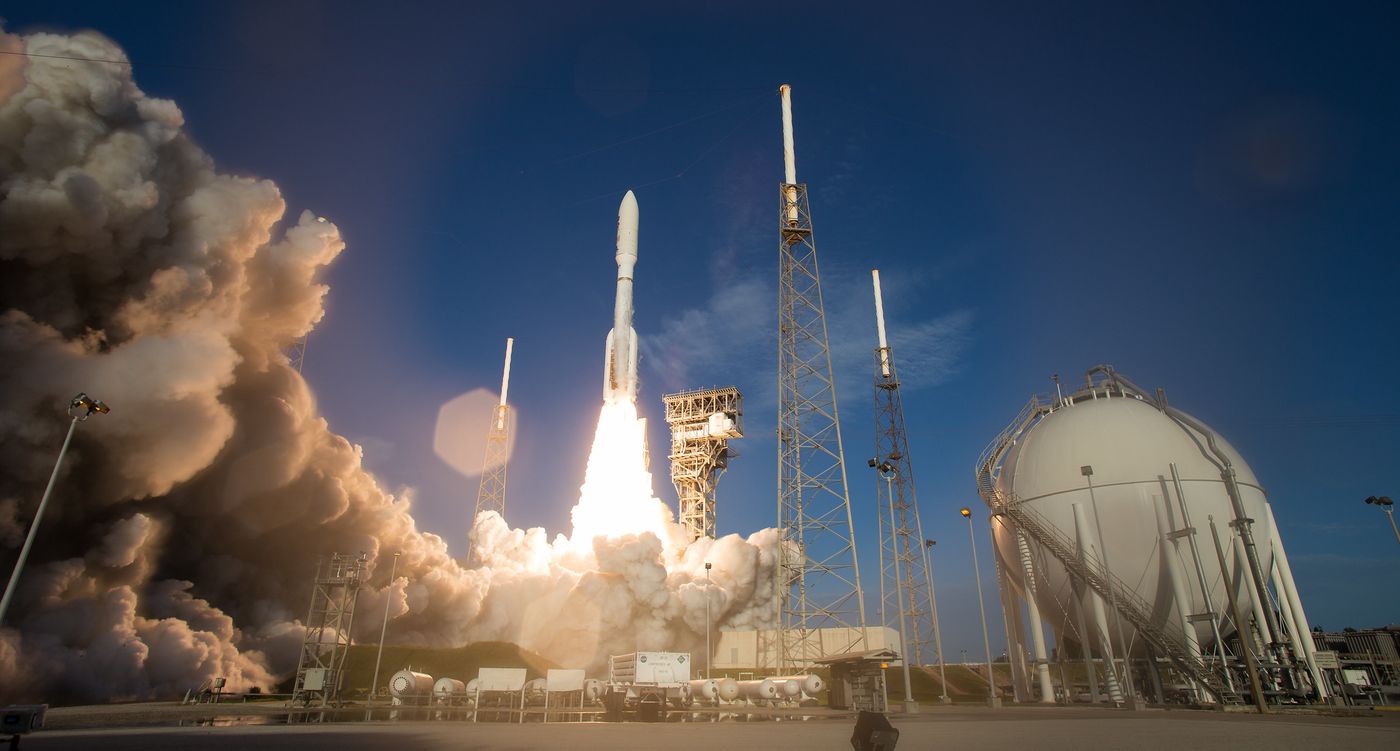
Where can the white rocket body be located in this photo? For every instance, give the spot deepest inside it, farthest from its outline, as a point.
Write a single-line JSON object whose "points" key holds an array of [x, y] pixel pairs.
{"points": [[620, 359]]}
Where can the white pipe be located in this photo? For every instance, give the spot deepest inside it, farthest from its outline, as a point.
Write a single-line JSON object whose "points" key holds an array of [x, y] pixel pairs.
{"points": [[789, 154], [1042, 664], [1295, 636], [880, 324], [1081, 529], [789, 157], [1242, 564], [1295, 603], [505, 375], [1177, 577], [1014, 626]]}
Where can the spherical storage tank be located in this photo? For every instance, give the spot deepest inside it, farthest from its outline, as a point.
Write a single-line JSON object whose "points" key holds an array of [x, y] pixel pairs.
{"points": [[1130, 444]]}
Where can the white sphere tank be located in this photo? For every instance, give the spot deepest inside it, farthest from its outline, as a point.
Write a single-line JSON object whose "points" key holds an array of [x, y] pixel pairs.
{"points": [[1129, 444]]}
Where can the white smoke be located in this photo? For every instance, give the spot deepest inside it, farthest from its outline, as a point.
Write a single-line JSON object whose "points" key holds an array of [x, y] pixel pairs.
{"points": [[181, 540]]}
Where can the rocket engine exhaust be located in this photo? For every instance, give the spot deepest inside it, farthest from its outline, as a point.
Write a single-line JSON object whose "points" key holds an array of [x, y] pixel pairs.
{"points": [[620, 355]]}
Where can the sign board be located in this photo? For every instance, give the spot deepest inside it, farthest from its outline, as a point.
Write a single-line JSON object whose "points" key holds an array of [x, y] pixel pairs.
{"points": [[501, 679], [1327, 660], [314, 680], [1356, 677], [655, 668], [564, 680]]}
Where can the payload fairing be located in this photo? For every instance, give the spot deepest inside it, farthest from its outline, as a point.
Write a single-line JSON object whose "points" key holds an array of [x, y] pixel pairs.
{"points": [[620, 357]]}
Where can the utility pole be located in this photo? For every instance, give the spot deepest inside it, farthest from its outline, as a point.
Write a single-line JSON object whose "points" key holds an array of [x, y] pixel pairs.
{"points": [[80, 409]]}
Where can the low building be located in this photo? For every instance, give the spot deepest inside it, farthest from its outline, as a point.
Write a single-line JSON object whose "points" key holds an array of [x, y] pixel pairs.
{"points": [[750, 650]]}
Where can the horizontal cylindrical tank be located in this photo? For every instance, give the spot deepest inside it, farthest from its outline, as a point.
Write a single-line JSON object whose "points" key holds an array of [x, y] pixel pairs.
{"points": [[592, 690], [787, 689], [810, 684], [760, 690], [535, 690], [449, 691], [705, 690], [727, 688], [1128, 446], [406, 684]]}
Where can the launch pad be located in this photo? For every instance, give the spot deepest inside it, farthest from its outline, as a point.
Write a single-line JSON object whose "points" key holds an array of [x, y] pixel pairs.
{"points": [[947, 727]]}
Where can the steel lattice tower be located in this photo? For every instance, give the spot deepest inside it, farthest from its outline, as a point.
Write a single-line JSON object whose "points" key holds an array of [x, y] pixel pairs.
{"points": [[329, 621], [819, 579], [903, 567], [491, 494], [702, 423]]}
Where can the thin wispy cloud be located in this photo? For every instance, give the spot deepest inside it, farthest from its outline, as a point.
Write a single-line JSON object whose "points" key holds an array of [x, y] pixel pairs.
{"points": [[733, 338]]}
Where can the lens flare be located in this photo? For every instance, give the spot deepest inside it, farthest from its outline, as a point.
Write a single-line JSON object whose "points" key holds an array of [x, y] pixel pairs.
{"points": [[616, 498]]}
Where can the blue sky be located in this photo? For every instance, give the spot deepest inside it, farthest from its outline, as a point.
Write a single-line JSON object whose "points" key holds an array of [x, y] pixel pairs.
{"points": [[1203, 196]]}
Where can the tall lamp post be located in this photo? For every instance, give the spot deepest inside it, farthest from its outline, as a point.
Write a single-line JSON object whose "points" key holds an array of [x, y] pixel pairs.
{"points": [[1388, 506], [992, 699], [937, 630], [80, 409], [888, 472], [708, 625], [383, 629], [1088, 472]]}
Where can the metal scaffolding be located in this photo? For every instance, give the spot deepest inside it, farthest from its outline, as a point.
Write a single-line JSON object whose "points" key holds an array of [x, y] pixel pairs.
{"points": [[296, 355], [328, 625], [491, 493], [904, 575], [702, 422], [819, 579]]}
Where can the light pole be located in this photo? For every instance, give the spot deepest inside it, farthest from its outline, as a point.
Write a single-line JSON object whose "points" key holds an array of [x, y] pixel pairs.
{"points": [[708, 627], [937, 631], [81, 408], [1088, 472], [889, 472], [383, 629], [1388, 506], [992, 699]]}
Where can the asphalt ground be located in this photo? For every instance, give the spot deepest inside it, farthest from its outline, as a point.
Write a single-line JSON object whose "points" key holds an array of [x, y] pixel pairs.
{"points": [[1018, 728]]}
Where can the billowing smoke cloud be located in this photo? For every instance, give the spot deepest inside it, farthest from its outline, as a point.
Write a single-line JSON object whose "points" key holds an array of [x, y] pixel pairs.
{"points": [[186, 525]]}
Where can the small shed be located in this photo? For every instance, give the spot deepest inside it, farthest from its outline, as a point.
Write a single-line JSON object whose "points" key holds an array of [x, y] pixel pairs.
{"points": [[858, 679]]}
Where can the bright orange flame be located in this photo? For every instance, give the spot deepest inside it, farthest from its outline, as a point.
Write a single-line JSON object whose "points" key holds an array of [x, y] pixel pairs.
{"points": [[616, 498]]}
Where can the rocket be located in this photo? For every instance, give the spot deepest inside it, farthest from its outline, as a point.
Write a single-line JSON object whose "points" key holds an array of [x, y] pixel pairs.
{"points": [[620, 355]]}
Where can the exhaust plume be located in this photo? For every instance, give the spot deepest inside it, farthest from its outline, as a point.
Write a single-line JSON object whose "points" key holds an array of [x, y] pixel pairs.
{"points": [[186, 525]]}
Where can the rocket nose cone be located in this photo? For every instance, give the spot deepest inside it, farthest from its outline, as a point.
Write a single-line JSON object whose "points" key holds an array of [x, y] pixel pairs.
{"points": [[627, 228]]}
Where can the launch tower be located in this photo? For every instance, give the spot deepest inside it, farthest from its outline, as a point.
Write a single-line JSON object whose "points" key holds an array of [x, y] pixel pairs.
{"points": [[702, 422], [819, 582], [491, 494], [328, 625]]}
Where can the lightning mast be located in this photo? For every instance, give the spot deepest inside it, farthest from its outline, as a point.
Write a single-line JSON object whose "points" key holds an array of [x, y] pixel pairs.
{"points": [[819, 581], [491, 495], [902, 560]]}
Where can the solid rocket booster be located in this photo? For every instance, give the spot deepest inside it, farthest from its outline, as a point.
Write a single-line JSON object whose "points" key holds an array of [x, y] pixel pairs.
{"points": [[620, 358]]}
